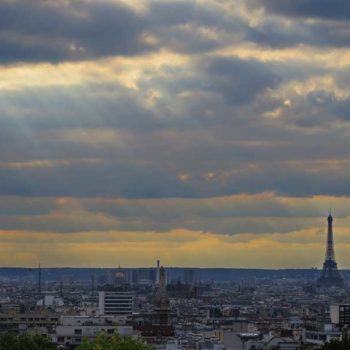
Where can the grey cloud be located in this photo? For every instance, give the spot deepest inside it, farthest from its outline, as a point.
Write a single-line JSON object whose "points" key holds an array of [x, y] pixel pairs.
{"points": [[239, 80], [206, 135], [217, 215], [154, 177], [329, 29], [38, 31], [76, 106], [245, 151], [114, 178], [44, 31], [17, 206], [317, 109], [209, 119], [221, 84], [327, 9]]}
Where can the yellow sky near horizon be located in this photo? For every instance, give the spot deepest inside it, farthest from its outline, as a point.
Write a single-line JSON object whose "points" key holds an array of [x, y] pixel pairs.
{"points": [[300, 249]]}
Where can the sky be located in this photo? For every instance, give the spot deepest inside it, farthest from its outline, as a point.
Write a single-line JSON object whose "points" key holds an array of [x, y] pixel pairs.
{"points": [[208, 133]]}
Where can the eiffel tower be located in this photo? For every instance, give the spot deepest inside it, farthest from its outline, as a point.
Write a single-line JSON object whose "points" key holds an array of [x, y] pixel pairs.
{"points": [[330, 275]]}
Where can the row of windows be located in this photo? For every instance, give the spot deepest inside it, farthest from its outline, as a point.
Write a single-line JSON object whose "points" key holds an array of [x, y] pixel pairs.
{"points": [[118, 311], [117, 306], [118, 301], [29, 319], [79, 331]]}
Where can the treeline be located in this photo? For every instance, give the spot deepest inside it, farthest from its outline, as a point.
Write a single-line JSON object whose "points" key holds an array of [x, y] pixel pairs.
{"points": [[101, 342], [25, 342]]}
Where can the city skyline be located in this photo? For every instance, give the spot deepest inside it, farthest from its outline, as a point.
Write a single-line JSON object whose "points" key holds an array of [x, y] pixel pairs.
{"points": [[202, 133]]}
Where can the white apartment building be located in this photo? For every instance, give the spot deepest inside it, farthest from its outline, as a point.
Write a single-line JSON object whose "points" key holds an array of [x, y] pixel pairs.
{"points": [[118, 303]]}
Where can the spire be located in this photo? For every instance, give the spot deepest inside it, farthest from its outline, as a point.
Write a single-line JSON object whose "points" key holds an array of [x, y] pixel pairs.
{"points": [[330, 243], [161, 309], [330, 217], [330, 274]]}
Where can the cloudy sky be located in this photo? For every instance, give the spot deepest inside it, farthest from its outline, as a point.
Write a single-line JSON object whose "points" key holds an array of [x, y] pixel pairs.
{"points": [[203, 133]]}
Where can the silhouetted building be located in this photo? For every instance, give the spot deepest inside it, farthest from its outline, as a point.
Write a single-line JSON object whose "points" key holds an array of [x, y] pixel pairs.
{"points": [[330, 275], [161, 327], [161, 309]]}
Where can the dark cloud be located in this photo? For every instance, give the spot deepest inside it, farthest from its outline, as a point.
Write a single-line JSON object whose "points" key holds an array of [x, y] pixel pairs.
{"points": [[317, 109], [226, 215], [328, 29], [213, 140], [188, 27], [206, 133], [45, 31], [57, 31], [325, 9], [239, 81]]}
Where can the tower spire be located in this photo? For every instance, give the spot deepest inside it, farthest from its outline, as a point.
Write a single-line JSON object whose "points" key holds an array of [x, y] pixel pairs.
{"points": [[330, 275]]}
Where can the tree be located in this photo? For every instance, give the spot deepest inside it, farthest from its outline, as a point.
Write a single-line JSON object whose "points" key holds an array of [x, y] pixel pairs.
{"points": [[115, 342], [25, 342], [343, 344]]}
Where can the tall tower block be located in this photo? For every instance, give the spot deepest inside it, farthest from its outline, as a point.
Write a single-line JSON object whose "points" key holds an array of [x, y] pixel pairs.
{"points": [[330, 276]]}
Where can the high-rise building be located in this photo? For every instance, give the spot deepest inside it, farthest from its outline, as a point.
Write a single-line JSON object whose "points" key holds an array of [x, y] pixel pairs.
{"points": [[330, 275], [340, 314], [115, 302]]}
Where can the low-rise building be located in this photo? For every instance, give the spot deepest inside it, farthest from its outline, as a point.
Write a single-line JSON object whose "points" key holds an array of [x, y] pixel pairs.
{"points": [[73, 329]]}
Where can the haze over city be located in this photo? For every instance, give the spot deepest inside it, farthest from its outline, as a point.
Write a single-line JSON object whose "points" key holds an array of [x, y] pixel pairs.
{"points": [[201, 133]]}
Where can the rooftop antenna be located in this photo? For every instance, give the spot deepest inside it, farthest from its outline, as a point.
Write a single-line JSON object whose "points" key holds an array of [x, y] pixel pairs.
{"points": [[39, 279]]}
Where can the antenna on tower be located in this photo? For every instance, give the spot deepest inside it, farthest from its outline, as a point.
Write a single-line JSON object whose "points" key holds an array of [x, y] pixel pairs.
{"points": [[39, 279]]}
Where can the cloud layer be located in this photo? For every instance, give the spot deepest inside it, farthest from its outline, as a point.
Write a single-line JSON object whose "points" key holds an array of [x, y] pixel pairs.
{"points": [[209, 118]]}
